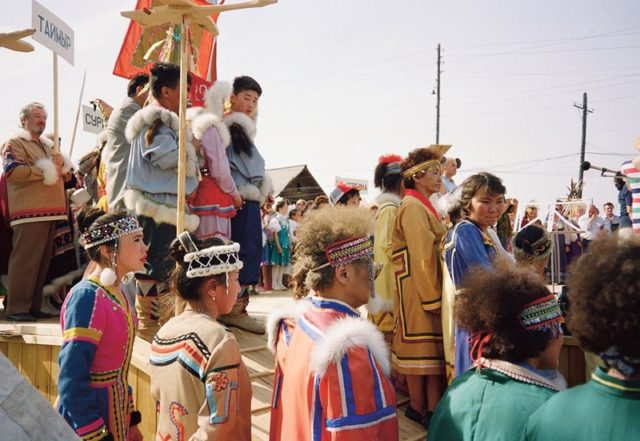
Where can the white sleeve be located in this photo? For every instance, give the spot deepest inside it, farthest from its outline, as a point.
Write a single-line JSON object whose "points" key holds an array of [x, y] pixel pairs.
{"points": [[274, 225]]}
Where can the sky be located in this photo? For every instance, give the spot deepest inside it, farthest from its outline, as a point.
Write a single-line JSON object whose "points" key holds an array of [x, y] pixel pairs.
{"points": [[346, 81]]}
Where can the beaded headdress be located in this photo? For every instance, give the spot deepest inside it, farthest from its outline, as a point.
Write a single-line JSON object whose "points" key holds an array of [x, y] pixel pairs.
{"points": [[347, 251], [210, 261], [111, 231], [542, 314]]}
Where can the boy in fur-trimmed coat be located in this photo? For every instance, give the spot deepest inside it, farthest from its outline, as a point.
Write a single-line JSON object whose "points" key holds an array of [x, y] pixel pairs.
{"points": [[35, 189], [254, 186], [152, 182]]}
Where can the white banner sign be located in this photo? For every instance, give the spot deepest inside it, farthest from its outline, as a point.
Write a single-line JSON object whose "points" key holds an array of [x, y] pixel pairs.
{"points": [[52, 32], [362, 184], [92, 120]]}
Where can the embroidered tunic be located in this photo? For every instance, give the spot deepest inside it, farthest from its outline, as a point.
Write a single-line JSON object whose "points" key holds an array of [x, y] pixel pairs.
{"points": [[466, 247], [98, 333], [334, 384], [199, 381], [491, 405], [417, 341], [604, 408]]}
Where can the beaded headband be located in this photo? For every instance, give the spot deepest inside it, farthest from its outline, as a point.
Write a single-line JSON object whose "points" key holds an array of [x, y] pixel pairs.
{"points": [[419, 167], [209, 261], [347, 251], [542, 314], [111, 231]]}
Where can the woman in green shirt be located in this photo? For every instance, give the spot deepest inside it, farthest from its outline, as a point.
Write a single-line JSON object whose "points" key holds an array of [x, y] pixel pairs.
{"points": [[514, 323], [604, 294]]}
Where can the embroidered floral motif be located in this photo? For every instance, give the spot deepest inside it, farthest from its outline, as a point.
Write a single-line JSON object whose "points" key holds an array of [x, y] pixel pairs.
{"points": [[219, 381]]}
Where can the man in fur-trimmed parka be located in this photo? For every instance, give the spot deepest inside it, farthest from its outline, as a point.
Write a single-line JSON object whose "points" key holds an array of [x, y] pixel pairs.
{"points": [[35, 190], [152, 183]]}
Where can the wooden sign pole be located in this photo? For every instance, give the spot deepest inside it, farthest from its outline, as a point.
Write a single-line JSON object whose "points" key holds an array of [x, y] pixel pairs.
{"points": [[75, 125], [56, 138], [182, 131]]}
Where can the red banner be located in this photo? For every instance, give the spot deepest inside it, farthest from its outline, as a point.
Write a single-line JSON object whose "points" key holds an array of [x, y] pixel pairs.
{"points": [[198, 88], [206, 61]]}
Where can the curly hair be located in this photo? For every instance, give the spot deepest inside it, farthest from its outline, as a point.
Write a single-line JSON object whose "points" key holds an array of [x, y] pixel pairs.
{"points": [[417, 156], [491, 303], [189, 288], [469, 188], [318, 230], [604, 296]]}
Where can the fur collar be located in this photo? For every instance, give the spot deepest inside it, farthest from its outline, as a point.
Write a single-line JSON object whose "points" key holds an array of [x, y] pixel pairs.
{"points": [[215, 97], [292, 311], [24, 134], [386, 197], [247, 124], [147, 115], [204, 121], [344, 334]]}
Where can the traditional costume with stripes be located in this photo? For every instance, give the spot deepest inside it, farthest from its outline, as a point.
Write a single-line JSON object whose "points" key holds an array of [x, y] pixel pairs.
{"points": [[98, 331], [334, 380], [199, 381]]}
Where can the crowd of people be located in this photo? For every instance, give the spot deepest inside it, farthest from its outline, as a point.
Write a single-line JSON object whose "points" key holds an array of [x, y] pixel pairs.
{"points": [[459, 315]]}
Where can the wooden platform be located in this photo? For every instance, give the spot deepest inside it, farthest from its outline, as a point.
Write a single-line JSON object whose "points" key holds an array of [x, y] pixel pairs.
{"points": [[34, 347]]}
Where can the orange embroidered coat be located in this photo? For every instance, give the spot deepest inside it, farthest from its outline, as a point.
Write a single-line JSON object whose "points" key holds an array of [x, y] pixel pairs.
{"points": [[333, 383]]}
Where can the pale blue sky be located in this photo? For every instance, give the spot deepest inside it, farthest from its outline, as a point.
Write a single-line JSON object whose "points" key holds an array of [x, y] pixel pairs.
{"points": [[345, 81]]}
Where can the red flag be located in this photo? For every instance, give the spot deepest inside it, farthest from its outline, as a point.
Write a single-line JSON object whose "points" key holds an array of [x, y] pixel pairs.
{"points": [[198, 88], [206, 61]]}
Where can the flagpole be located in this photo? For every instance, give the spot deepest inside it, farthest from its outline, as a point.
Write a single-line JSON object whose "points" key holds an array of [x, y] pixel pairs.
{"points": [[75, 125], [182, 131], [56, 138]]}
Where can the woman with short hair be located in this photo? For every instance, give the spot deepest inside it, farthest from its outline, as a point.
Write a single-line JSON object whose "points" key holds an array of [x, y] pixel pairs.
{"points": [[516, 338], [331, 376]]}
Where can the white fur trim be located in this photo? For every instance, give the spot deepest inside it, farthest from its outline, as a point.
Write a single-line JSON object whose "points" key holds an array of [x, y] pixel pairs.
{"points": [[68, 164], [292, 311], [266, 188], [193, 112], [250, 192], [136, 202], [204, 121], [388, 197], [24, 134], [48, 170], [377, 305], [449, 201], [147, 115], [347, 333], [247, 124], [101, 138], [215, 97]]}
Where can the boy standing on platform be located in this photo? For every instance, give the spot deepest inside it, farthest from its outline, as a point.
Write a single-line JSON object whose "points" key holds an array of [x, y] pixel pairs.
{"points": [[248, 172]]}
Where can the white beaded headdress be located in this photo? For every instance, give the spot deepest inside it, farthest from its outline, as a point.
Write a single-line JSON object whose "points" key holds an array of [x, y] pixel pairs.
{"points": [[210, 261]]}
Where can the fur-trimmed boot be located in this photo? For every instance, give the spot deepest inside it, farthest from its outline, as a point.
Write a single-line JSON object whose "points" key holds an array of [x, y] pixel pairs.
{"points": [[239, 318], [154, 306]]}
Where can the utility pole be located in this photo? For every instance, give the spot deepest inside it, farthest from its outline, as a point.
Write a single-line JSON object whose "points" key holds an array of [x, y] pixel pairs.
{"points": [[585, 111], [438, 99]]}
